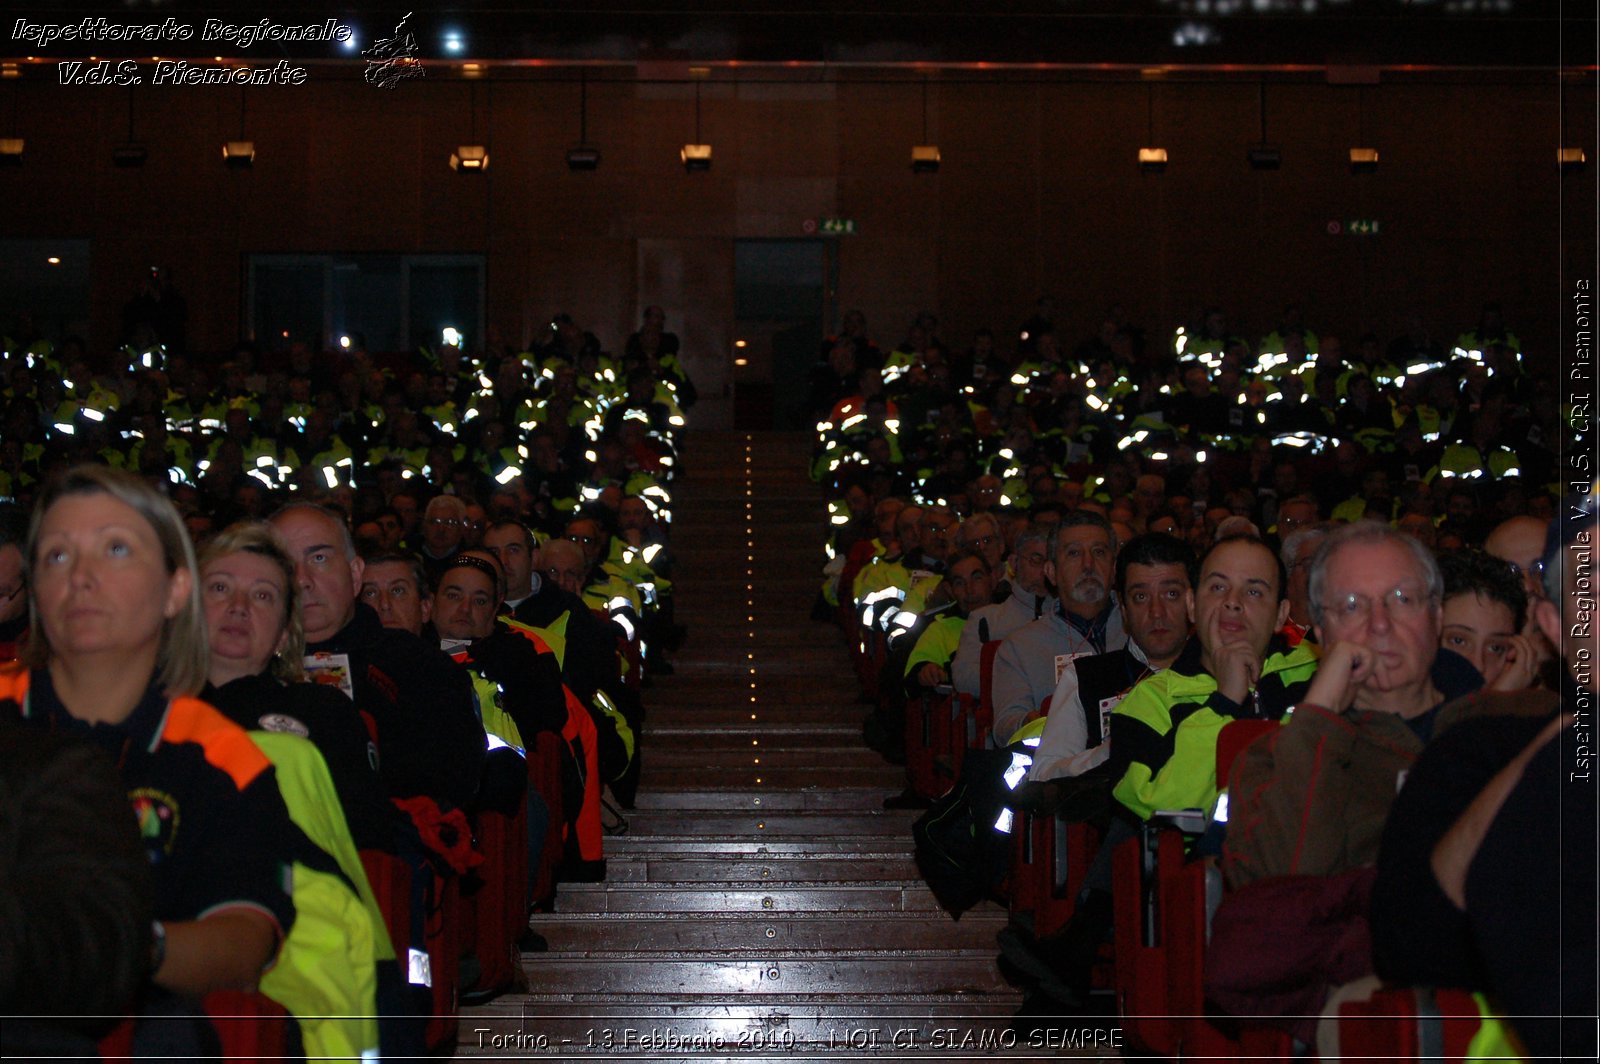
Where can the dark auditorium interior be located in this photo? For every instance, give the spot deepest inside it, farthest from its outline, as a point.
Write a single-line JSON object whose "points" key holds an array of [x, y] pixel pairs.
{"points": [[799, 531]]}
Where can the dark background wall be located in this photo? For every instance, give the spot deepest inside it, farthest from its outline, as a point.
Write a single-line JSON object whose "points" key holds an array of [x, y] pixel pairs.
{"points": [[1038, 193]]}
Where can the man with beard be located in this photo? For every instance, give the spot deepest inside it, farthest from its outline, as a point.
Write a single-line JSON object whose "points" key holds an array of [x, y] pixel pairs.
{"points": [[1086, 620], [1155, 574]]}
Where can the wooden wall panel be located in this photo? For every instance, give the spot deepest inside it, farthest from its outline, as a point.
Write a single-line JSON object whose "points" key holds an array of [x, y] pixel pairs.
{"points": [[1038, 193]]}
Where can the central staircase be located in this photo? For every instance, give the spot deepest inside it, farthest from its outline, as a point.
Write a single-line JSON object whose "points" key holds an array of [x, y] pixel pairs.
{"points": [[762, 904]]}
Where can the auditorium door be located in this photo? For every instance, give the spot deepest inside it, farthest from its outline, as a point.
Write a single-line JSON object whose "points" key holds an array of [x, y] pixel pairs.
{"points": [[782, 297]]}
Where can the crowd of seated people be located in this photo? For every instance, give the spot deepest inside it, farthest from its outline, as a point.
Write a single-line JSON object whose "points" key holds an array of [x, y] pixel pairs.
{"points": [[364, 644], [1297, 604]]}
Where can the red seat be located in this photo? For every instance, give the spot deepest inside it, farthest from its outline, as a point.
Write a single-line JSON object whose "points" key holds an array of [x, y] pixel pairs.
{"points": [[922, 713], [390, 879], [1190, 893], [1068, 849], [1029, 875], [394, 887], [250, 1028], [497, 911], [1141, 956], [984, 716], [1233, 738], [442, 935], [1410, 1023], [544, 777]]}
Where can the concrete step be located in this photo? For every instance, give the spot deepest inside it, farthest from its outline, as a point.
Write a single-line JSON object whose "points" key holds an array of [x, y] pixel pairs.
{"points": [[763, 905], [889, 896], [809, 799], [765, 870], [597, 933]]}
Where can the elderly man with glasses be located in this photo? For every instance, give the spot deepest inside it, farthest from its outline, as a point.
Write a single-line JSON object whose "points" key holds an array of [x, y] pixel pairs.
{"points": [[1310, 800]]}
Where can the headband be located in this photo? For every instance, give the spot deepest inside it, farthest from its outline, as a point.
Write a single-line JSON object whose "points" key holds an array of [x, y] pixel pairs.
{"points": [[467, 561]]}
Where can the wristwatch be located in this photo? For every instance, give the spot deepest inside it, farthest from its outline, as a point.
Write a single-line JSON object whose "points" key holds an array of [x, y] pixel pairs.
{"points": [[158, 945]]}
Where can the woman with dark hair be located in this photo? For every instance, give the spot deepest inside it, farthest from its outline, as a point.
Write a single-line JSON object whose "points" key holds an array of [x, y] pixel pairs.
{"points": [[116, 654]]}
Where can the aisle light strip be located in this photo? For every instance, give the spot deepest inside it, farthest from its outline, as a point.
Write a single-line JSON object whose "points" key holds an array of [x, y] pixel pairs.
{"points": [[750, 601]]}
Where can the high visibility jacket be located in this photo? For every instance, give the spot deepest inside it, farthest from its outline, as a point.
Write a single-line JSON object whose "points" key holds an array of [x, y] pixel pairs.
{"points": [[326, 975], [1164, 733], [579, 734], [1465, 461], [937, 643], [555, 636]]}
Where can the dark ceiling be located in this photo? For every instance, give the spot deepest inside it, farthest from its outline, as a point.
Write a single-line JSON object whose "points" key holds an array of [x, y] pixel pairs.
{"points": [[1480, 35]]}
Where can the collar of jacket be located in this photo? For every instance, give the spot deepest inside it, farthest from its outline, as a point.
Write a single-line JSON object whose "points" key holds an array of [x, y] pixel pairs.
{"points": [[1280, 657], [1038, 605], [364, 629], [1093, 628]]}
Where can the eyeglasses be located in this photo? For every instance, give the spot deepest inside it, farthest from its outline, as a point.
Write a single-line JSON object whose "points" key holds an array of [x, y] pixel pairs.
{"points": [[590, 540], [1535, 568], [445, 522], [983, 541], [1402, 601]]}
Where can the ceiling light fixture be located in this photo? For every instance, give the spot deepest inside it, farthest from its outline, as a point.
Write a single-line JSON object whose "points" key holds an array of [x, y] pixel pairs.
{"points": [[1151, 160], [1261, 155], [239, 154], [696, 157], [583, 157], [130, 154], [925, 156], [472, 157]]}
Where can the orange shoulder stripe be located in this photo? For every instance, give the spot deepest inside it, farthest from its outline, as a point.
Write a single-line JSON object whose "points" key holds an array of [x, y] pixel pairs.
{"points": [[223, 743]]}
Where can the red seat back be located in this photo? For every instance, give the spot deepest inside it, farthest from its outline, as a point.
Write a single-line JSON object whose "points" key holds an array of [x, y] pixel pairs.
{"points": [[497, 910], [1233, 738], [922, 715], [1140, 959], [1409, 1023], [986, 682], [443, 940], [1070, 849], [544, 777], [251, 1027]]}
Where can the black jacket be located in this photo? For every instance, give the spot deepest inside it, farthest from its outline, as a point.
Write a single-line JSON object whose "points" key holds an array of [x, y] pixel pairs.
{"points": [[430, 741]]}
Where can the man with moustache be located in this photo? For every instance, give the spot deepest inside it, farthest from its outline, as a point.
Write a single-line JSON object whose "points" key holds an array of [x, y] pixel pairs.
{"points": [[1155, 575], [1086, 620]]}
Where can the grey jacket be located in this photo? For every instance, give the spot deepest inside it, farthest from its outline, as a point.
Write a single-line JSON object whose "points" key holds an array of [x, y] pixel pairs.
{"points": [[1026, 670], [1003, 618]]}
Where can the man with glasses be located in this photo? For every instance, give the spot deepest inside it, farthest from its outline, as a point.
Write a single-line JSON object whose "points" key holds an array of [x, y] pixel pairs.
{"points": [[1030, 599], [13, 588], [1298, 550], [444, 526], [1312, 798], [1519, 542], [981, 532]]}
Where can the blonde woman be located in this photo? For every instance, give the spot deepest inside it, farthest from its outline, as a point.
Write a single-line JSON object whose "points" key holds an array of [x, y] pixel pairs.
{"points": [[116, 654], [252, 611]]}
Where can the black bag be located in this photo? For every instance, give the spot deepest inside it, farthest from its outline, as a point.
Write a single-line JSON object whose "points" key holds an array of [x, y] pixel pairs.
{"points": [[959, 852]]}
